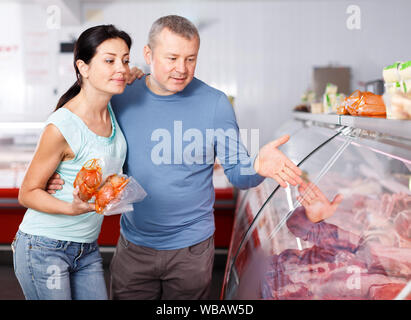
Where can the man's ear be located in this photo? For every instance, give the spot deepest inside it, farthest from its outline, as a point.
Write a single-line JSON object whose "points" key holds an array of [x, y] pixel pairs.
{"points": [[147, 53], [83, 68]]}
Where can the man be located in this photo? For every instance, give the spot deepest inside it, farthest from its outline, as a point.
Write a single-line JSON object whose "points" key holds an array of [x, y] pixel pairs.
{"points": [[166, 247]]}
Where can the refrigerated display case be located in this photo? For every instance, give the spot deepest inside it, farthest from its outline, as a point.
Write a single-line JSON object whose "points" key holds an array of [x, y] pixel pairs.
{"points": [[250, 200], [360, 248]]}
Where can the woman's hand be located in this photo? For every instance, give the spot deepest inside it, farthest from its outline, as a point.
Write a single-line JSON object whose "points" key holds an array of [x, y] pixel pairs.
{"points": [[79, 206]]}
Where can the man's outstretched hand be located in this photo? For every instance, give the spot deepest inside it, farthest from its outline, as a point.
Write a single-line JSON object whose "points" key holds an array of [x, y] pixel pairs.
{"points": [[135, 73], [272, 163]]}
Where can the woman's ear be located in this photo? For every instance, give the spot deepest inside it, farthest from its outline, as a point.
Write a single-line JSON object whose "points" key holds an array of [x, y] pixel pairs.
{"points": [[83, 68]]}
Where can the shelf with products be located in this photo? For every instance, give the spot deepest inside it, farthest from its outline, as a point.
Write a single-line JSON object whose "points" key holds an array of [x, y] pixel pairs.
{"points": [[361, 251], [392, 127]]}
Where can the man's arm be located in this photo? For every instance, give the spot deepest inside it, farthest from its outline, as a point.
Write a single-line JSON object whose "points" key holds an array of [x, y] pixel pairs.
{"points": [[233, 155], [242, 170]]}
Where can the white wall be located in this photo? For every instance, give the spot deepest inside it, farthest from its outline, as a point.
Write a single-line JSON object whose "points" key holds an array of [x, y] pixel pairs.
{"points": [[262, 52], [11, 59], [28, 73]]}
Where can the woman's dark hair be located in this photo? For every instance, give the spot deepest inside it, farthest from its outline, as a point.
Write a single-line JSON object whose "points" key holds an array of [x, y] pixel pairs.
{"points": [[85, 49]]}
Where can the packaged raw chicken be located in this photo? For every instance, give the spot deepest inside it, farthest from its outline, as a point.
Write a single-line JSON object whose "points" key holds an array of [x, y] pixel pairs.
{"points": [[109, 191], [117, 195], [88, 179], [371, 104], [363, 104], [349, 103]]}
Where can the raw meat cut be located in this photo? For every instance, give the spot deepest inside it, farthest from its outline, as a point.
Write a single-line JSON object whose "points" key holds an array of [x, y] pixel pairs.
{"points": [[317, 273], [386, 291], [322, 234], [340, 264], [402, 224], [388, 260]]}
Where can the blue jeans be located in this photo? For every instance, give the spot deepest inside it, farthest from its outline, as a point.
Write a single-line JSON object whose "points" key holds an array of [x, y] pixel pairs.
{"points": [[49, 269]]}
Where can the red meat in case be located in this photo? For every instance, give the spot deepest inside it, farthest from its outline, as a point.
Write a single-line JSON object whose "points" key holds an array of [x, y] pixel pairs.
{"points": [[371, 213], [294, 291], [292, 266], [293, 271], [350, 281], [402, 224], [317, 274], [338, 266], [322, 234], [387, 260], [386, 291]]}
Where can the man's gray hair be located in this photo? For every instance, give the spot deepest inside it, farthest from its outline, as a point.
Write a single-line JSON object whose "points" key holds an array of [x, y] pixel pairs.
{"points": [[174, 23]]}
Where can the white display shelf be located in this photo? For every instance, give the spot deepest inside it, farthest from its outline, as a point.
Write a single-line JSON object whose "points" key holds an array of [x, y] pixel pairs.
{"points": [[396, 128]]}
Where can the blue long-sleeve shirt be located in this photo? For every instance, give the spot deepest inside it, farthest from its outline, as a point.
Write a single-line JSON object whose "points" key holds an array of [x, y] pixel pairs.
{"points": [[172, 144]]}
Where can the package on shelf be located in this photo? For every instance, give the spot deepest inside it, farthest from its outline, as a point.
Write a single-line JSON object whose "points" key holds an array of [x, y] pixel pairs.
{"points": [[331, 98], [317, 107], [391, 73], [397, 77], [397, 94], [392, 78], [399, 106], [308, 96], [405, 74], [363, 104]]}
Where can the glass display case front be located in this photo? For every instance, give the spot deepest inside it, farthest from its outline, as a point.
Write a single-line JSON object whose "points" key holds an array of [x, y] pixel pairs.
{"points": [[344, 234], [249, 201]]}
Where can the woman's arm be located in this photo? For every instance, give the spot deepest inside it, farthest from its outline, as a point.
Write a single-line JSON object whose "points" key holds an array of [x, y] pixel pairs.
{"points": [[51, 150]]}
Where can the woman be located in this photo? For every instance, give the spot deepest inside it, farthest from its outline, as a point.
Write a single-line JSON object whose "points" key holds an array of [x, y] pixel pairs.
{"points": [[56, 254]]}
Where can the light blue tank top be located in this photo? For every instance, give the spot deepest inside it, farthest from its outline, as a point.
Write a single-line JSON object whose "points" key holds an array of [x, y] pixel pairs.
{"points": [[86, 145]]}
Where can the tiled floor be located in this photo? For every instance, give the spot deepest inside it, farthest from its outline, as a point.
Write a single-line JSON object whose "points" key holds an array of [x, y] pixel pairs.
{"points": [[10, 289]]}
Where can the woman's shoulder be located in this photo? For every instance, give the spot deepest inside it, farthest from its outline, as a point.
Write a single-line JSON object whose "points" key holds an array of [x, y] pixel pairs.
{"points": [[52, 135], [60, 115], [63, 128], [64, 118], [66, 122]]}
